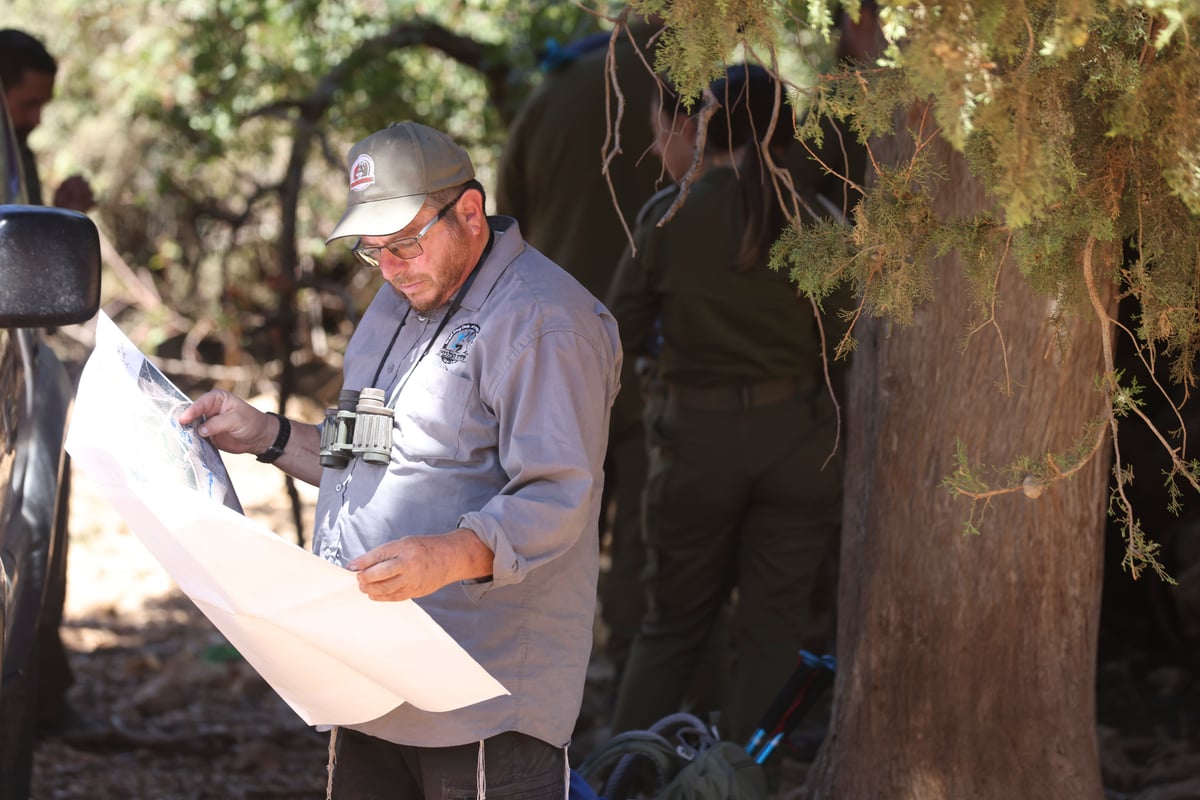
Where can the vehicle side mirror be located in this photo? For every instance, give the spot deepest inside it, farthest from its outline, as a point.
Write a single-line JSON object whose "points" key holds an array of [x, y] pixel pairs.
{"points": [[49, 267]]}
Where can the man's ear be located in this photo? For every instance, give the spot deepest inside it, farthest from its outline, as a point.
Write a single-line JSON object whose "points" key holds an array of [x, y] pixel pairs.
{"points": [[470, 211], [689, 130]]}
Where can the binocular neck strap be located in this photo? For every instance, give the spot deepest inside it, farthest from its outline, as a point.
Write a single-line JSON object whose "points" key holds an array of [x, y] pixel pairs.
{"points": [[388, 352]]}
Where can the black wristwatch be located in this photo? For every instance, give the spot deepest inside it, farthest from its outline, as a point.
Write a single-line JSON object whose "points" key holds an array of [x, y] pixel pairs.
{"points": [[276, 449]]}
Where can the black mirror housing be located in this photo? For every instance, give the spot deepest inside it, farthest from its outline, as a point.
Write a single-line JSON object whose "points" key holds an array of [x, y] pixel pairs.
{"points": [[49, 267]]}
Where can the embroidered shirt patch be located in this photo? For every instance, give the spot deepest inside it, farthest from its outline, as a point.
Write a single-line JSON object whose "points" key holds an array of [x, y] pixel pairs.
{"points": [[458, 344]]}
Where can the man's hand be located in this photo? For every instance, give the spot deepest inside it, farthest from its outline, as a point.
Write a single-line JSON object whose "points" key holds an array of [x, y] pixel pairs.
{"points": [[75, 194], [416, 566], [230, 423], [235, 426]]}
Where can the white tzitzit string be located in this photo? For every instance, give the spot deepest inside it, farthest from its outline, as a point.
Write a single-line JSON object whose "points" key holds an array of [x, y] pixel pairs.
{"points": [[480, 775], [332, 763]]}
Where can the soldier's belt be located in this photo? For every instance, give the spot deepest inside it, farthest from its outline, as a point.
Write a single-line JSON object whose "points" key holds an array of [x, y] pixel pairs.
{"points": [[736, 396]]}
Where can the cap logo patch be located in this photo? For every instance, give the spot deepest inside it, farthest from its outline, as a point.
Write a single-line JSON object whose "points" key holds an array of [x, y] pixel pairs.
{"points": [[362, 173], [458, 343]]}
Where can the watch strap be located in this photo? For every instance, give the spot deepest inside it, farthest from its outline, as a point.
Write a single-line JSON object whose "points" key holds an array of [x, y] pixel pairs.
{"points": [[276, 449]]}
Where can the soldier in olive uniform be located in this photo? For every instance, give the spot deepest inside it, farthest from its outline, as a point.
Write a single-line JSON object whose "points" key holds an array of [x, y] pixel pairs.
{"points": [[742, 491], [551, 178]]}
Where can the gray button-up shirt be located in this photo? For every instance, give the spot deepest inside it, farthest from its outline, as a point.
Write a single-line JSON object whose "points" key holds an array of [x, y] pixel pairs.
{"points": [[501, 425]]}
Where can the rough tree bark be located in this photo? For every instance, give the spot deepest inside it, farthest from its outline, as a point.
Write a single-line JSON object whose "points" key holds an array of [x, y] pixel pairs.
{"points": [[966, 663]]}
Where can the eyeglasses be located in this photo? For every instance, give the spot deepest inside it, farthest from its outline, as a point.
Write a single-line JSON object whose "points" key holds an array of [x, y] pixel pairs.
{"points": [[406, 248]]}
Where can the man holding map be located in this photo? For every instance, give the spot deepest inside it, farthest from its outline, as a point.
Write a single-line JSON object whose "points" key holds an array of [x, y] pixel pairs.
{"points": [[463, 471]]}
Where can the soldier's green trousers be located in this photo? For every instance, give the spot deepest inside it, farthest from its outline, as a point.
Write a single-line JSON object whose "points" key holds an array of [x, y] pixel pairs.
{"points": [[622, 588], [736, 499]]}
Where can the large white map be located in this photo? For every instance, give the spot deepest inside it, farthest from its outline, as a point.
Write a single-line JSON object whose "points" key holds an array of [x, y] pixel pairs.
{"points": [[336, 656]]}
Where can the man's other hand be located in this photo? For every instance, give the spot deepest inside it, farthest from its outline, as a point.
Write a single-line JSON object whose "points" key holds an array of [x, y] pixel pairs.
{"points": [[415, 566]]}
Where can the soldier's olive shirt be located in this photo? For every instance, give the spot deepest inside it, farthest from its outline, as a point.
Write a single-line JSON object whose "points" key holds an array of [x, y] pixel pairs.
{"points": [[501, 425], [553, 176], [717, 325], [551, 173]]}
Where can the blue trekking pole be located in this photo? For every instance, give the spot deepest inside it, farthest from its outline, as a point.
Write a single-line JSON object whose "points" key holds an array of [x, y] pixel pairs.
{"points": [[812, 676]]}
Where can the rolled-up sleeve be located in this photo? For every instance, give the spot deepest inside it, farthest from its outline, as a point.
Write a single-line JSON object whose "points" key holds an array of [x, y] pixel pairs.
{"points": [[552, 404]]}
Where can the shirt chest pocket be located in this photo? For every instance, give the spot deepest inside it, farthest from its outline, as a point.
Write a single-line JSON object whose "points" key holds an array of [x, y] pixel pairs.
{"points": [[430, 413]]}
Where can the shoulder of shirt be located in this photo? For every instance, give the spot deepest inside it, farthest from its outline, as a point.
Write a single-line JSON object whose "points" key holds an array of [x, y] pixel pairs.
{"points": [[655, 200], [543, 283]]}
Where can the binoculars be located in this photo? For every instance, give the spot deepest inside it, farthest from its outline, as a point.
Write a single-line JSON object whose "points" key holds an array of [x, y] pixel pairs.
{"points": [[361, 426]]}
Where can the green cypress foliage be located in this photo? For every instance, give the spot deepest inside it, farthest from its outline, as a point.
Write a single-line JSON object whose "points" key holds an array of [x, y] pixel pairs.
{"points": [[1081, 119]]}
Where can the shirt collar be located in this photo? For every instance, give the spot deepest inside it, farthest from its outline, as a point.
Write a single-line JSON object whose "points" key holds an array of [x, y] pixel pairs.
{"points": [[505, 247]]}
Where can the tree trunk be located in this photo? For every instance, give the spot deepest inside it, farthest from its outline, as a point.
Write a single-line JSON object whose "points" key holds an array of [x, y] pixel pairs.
{"points": [[966, 663]]}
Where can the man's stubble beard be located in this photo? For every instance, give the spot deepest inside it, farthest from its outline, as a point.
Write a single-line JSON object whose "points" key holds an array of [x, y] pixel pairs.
{"points": [[457, 250]]}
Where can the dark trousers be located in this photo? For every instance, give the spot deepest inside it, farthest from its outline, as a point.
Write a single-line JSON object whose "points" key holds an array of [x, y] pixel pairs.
{"points": [[742, 499], [516, 767], [622, 589]]}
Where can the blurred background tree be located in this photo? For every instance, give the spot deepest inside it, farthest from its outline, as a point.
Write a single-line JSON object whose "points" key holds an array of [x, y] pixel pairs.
{"points": [[215, 131], [215, 135]]}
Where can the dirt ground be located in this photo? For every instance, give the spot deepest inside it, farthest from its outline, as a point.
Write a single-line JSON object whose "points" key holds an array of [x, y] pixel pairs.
{"points": [[170, 712]]}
